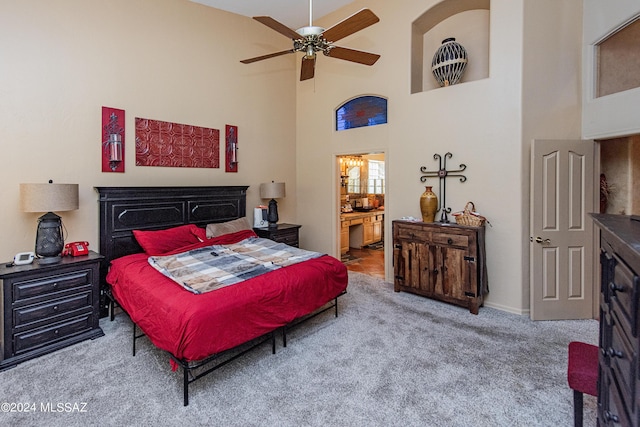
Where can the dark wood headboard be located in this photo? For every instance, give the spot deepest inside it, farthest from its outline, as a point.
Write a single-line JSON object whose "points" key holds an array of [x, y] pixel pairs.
{"points": [[124, 209]]}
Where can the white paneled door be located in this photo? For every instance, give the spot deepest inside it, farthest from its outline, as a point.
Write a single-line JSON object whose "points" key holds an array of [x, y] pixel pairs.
{"points": [[562, 245]]}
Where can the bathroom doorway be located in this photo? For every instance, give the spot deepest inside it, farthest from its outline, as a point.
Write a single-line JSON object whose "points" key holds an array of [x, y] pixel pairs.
{"points": [[361, 192]]}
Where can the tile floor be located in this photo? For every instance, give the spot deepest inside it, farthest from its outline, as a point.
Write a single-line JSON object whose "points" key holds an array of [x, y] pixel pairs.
{"points": [[369, 261]]}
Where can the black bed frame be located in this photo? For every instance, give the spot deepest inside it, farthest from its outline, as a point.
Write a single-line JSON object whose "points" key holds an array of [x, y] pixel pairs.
{"points": [[124, 209]]}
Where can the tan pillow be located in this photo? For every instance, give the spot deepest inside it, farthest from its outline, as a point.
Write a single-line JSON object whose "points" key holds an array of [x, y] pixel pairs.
{"points": [[218, 229]]}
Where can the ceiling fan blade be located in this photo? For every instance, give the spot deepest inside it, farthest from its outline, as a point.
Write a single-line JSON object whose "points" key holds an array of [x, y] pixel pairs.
{"points": [[277, 26], [352, 55], [271, 55], [350, 25], [308, 68]]}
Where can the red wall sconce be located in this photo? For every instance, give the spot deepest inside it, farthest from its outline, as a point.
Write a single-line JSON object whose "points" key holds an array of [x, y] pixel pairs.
{"points": [[231, 150], [112, 140]]}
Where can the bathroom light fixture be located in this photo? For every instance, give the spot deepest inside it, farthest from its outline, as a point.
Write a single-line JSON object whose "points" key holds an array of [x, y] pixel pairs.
{"points": [[272, 190], [47, 198]]}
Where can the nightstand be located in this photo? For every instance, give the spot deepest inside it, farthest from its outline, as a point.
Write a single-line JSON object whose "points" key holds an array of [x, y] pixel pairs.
{"points": [[48, 307], [282, 233]]}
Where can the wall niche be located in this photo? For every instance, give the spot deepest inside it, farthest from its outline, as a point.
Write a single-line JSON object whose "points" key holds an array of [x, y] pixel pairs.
{"points": [[465, 20], [619, 60], [620, 164]]}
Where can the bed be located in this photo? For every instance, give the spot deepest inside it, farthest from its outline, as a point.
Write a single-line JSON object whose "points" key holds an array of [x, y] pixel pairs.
{"points": [[197, 330]]}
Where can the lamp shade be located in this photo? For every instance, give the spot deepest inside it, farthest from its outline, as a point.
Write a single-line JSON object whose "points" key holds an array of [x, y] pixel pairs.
{"points": [[48, 197], [272, 190]]}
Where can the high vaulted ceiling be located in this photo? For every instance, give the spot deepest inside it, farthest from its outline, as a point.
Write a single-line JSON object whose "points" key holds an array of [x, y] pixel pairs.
{"points": [[293, 13]]}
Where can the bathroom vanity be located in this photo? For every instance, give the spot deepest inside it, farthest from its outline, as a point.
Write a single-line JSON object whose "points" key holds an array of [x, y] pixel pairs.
{"points": [[359, 229]]}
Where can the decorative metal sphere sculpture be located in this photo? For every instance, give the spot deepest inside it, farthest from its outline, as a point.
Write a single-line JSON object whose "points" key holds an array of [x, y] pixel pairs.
{"points": [[449, 62]]}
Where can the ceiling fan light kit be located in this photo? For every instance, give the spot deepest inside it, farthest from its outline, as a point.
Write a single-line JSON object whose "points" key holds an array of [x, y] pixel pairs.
{"points": [[310, 31], [312, 39]]}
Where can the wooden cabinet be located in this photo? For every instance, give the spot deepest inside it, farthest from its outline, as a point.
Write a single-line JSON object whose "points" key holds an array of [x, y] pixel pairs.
{"points": [[440, 261], [48, 307], [372, 229], [378, 228], [344, 237], [282, 233], [619, 374], [367, 237]]}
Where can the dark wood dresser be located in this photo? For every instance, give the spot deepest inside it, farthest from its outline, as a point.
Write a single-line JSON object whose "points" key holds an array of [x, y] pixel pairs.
{"points": [[618, 376], [48, 307], [440, 261]]}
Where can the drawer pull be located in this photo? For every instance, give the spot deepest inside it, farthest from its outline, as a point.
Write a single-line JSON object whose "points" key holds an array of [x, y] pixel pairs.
{"points": [[55, 285], [450, 241], [615, 353], [56, 332], [55, 308], [611, 417], [616, 288]]}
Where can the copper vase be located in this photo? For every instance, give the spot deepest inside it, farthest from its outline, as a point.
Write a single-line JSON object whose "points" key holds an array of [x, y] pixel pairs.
{"points": [[428, 205]]}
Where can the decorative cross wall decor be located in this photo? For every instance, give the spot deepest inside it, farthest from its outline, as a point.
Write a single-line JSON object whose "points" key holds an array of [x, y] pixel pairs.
{"points": [[442, 173]]}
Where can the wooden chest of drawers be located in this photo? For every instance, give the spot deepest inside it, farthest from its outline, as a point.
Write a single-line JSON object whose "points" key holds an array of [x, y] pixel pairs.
{"points": [[619, 374], [440, 261], [48, 307]]}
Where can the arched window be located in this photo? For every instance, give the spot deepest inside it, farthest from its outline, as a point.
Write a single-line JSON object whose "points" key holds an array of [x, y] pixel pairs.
{"points": [[361, 111]]}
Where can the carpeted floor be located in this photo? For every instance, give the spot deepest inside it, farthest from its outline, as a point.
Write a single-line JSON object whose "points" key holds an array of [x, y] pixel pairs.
{"points": [[389, 359]]}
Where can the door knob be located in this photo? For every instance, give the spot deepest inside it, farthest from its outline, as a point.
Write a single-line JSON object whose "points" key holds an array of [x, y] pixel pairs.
{"points": [[541, 240]]}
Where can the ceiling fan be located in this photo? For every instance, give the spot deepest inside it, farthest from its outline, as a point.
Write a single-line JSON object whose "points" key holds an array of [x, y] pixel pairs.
{"points": [[312, 39]]}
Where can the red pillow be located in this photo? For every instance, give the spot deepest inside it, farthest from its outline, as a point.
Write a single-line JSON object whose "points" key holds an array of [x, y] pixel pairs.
{"points": [[225, 239], [199, 232], [160, 242]]}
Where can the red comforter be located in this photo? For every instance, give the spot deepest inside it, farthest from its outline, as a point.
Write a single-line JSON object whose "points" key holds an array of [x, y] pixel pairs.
{"points": [[192, 327]]}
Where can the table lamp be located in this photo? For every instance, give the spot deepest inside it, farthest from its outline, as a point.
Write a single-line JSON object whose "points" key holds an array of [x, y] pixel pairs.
{"points": [[272, 190], [48, 198]]}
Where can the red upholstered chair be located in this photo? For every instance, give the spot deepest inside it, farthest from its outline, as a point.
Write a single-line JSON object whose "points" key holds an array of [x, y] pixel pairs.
{"points": [[582, 374]]}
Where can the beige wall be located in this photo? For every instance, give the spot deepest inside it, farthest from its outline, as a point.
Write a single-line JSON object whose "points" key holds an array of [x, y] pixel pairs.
{"points": [[177, 61], [551, 103], [170, 60], [480, 122]]}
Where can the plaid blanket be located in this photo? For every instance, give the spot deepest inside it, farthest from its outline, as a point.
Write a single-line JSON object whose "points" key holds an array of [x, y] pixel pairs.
{"points": [[213, 267]]}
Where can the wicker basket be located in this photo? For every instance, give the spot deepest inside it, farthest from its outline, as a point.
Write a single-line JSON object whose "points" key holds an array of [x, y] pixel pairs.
{"points": [[469, 216]]}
